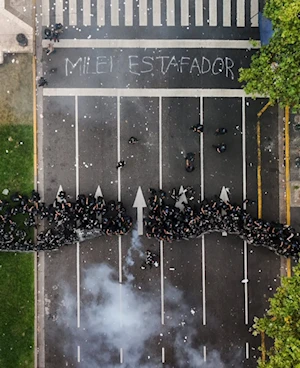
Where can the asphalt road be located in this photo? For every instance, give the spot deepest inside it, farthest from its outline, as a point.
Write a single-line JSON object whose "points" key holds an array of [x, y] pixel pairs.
{"points": [[195, 304]]}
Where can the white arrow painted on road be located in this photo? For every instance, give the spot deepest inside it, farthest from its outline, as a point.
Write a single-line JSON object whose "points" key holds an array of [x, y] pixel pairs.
{"points": [[182, 199], [224, 194], [139, 204], [225, 198], [98, 193], [58, 199]]}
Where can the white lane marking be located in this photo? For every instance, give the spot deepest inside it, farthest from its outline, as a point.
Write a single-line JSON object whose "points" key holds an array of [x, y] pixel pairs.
{"points": [[156, 12], [119, 144], [184, 13], [78, 282], [100, 13], [143, 13], [244, 207], [240, 13], [46, 13], [153, 44], [203, 283], [121, 355], [59, 6], [129, 13], [201, 109], [160, 140], [199, 12], [87, 12], [163, 357], [77, 192], [170, 13], [72, 12], [204, 353], [247, 350], [78, 354], [114, 12], [144, 92], [226, 13], [254, 9], [120, 259], [212, 13], [162, 282]]}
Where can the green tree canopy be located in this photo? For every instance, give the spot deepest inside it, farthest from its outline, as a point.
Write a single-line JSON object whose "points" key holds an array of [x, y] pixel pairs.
{"points": [[282, 324], [275, 69]]}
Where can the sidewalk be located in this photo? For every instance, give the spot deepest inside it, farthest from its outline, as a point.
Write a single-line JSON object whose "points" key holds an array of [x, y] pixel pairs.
{"points": [[15, 17], [294, 170]]}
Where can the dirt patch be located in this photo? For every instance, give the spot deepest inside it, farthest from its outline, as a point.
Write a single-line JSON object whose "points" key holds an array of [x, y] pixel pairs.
{"points": [[16, 90]]}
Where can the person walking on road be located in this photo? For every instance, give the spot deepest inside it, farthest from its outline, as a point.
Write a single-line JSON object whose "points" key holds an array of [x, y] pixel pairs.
{"points": [[42, 82], [120, 164], [220, 148], [50, 49], [197, 128], [220, 131], [132, 140]]}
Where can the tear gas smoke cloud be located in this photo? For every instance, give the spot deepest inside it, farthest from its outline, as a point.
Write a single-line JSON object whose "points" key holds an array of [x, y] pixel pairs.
{"points": [[115, 316]]}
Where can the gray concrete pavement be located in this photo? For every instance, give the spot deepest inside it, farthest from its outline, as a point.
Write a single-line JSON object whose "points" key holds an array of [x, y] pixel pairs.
{"points": [[85, 135]]}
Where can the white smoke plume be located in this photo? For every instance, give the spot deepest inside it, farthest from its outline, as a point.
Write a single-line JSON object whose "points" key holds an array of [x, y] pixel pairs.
{"points": [[115, 316]]}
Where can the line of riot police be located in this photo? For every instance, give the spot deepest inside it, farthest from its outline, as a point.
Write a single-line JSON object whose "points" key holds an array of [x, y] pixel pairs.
{"points": [[169, 223]]}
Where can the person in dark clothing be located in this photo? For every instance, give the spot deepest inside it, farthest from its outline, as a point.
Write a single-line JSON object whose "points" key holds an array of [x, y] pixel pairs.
{"points": [[197, 128], [132, 140], [220, 131], [42, 82], [120, 164], [220, 148]]}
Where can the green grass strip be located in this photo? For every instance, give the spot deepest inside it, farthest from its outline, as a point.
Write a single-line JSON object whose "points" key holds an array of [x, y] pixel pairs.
{"points": [[16, 269]]}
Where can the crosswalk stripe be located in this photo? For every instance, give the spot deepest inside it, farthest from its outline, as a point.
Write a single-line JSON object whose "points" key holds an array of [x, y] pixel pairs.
{"points": [[157, 9], [199, 13], [59, 18], [185, 13], [254, 8], [143, 13], [72, 12], [86, 12], [226, 13], [156, 6], [170, 12], [240, 13], [213, 13], [100, 13], [114, 12], [46, 13], [128, 13]]}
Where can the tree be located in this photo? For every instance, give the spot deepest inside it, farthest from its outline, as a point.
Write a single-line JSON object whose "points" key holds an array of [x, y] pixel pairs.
{"points": [[282, 324], [275, 69]]}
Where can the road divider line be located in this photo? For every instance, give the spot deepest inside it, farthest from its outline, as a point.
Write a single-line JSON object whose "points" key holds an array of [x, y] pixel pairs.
{"points": [[254, 9], [247, 350], [204, 353], [259, 184], [77, 193], [203, 283], [160, 140], [162, 282], [244, 149], [287, 179], [163, 358], [153, 44], [78, 354], [121, 356], [145, 92]]}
